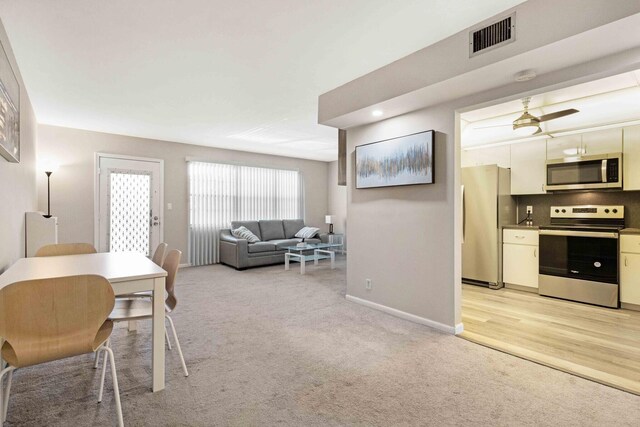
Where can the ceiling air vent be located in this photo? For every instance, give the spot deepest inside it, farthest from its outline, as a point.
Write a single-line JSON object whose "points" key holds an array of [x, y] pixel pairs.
{"points": [[492, 36]]}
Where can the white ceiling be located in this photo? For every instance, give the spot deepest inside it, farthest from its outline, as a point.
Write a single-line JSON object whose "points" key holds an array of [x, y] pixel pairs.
{"points": [[242, 75], [612, 101]]}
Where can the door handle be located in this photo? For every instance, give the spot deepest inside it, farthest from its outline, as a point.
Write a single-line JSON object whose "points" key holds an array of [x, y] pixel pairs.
{"points": [[464, 213], [535, 252], [626, 262]]}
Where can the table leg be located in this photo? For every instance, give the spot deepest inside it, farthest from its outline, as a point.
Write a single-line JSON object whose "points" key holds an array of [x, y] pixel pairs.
{"points": [[157, 357], [315, 257], [286, 261], [302, 265], [133, 326], [333, 260]]}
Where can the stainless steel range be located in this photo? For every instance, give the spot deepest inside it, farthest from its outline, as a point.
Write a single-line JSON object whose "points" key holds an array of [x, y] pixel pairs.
{"points": [[579, 254]]}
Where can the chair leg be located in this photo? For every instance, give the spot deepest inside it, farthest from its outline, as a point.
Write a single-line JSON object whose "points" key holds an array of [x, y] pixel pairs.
{"points": [[104, 369], [96, 362], [4, 392], [175, 337], [114, 377], [166, 335]]}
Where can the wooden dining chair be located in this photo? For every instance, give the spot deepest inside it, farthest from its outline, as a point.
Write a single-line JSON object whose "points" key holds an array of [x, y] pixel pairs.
{"points": [[50, 319], [66, 249], [135, 308], [158, 255]]}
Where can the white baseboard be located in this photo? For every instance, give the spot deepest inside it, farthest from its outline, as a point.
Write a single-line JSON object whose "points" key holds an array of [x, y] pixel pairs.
{"points": [[408, 316], [184, 265]]}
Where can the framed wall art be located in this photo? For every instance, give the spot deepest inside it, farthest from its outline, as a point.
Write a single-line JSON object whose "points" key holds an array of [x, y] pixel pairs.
{"points": [[405, 160], [9, 110]]}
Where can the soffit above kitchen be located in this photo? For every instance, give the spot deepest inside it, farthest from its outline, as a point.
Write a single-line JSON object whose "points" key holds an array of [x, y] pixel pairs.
{"points": [[239, 75], [550, 37]]}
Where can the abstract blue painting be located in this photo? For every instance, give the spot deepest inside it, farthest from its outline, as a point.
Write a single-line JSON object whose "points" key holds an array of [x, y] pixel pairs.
{"points": [[406, 160]]}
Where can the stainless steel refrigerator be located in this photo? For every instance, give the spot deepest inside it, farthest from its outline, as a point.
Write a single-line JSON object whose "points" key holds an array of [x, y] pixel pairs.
{"points": [[487, 205]]}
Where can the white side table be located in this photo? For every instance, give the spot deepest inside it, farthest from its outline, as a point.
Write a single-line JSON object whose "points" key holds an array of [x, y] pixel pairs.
{"points": [[337, 239]]}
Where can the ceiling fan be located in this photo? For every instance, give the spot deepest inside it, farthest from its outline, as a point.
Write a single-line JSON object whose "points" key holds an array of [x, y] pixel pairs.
{"points": [[528, 124]]}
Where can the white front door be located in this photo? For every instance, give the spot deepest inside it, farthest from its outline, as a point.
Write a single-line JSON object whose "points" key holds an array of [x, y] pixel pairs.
{"points": [[129, 211]]}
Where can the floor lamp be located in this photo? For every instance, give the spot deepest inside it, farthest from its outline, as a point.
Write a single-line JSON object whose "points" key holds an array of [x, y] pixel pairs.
{"points": [[49, 167]]}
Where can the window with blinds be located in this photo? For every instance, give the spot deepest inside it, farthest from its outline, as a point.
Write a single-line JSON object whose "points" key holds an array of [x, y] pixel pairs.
{"points": [[221, 193]]}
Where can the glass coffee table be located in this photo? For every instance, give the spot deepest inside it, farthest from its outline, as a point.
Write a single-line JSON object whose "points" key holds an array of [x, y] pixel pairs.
{"points": [[310, 252]]}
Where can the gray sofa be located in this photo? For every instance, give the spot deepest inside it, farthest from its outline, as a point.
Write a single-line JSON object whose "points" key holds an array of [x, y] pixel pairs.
{"points": [[274, 235]]}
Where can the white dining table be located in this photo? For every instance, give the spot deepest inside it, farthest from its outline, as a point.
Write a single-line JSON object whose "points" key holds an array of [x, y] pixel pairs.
{"points": [[128, 273]]}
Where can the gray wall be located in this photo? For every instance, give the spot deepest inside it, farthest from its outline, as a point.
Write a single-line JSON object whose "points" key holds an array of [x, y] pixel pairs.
{"points": [[72, 195], [337, 202], [17, 180], [542, 203]]}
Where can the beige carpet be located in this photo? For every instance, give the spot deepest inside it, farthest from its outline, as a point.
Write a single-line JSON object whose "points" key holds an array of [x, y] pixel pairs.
{"points": [[269, 347]]}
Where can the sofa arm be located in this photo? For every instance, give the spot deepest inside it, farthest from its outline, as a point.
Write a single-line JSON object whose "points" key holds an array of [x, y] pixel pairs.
{"points": [[233, 251], [324, 237], [225, 235]]}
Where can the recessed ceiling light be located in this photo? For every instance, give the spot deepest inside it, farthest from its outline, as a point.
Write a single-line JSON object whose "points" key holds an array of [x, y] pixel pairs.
{"points": [[376, 113]]}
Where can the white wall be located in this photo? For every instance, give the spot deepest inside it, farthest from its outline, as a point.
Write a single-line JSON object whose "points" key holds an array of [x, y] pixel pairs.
{"points": [[17, 180], [72, 185], [337, 201]]}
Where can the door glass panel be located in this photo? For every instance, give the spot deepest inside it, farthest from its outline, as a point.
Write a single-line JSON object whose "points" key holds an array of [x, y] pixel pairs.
{"points": [[587, 172], [129, 210]]}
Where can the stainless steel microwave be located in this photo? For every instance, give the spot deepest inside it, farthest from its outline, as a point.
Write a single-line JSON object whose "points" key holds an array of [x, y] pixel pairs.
{"points": [[602, 171]]}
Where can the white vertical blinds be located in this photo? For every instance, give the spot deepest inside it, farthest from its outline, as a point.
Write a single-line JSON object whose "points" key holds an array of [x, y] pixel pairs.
{"points": [[221, 193]]}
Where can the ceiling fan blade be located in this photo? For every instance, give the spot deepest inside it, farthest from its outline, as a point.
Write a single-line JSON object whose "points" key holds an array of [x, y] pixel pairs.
{"points": [[538, 131], [558, 114]]}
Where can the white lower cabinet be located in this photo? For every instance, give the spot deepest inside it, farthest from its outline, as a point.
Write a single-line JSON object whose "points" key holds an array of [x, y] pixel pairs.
{"points": [[630, 270], [520, 258]]}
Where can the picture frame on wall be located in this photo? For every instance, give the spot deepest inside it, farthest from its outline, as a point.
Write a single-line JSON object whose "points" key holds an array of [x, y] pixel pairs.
{"points": [[9, 110], [405, 160]]}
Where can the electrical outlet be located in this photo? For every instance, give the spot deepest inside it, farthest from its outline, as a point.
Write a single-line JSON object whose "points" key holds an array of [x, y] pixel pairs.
{"points": [[529, 209], [367, 284], [169, 206]]}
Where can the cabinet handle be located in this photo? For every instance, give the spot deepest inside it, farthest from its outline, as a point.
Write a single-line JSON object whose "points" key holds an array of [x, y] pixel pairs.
{"points": [[519, 237], [625, 261], [535, 252]]}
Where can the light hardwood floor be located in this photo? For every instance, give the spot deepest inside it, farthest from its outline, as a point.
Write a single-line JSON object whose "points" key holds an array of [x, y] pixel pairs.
{"points": [[596, 343]]}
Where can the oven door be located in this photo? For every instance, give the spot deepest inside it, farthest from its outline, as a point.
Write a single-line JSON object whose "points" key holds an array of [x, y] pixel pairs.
{"points": [[584, 255]]}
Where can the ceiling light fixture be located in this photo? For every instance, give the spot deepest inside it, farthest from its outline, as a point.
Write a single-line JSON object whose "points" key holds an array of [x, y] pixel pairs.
{"points": [[525, 76], [377, 113], [526, 124]]}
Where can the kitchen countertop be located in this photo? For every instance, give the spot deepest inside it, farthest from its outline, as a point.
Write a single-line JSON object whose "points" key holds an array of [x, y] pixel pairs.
{"points": [[630, 231], [525, 227]]}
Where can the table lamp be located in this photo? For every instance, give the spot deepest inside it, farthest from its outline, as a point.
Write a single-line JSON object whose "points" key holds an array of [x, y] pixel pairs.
{"points": [[328, 219]]}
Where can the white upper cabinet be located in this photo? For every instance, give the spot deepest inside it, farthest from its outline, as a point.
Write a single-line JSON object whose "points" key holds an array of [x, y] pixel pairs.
{"points": [[631, 158], [585, 144], [500, 156], [602, 142], [563, 146], [528, 169]]}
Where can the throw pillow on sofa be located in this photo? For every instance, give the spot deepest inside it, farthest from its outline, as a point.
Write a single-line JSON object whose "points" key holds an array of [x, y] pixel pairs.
{"points": [[307, 232], [244, 233]]}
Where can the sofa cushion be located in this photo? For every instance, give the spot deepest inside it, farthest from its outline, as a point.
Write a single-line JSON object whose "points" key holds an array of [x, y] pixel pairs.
{"points": [[283, 243], [245, 233], [291, 227], [253, 227], [271, 229], [261, 247]]}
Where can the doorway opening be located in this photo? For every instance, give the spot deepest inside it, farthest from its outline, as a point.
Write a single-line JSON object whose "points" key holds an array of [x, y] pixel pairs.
{"points": [[564, 291]]}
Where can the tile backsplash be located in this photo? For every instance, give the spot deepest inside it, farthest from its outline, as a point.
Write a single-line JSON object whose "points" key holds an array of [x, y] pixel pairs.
{"points": [[542, 204]]}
